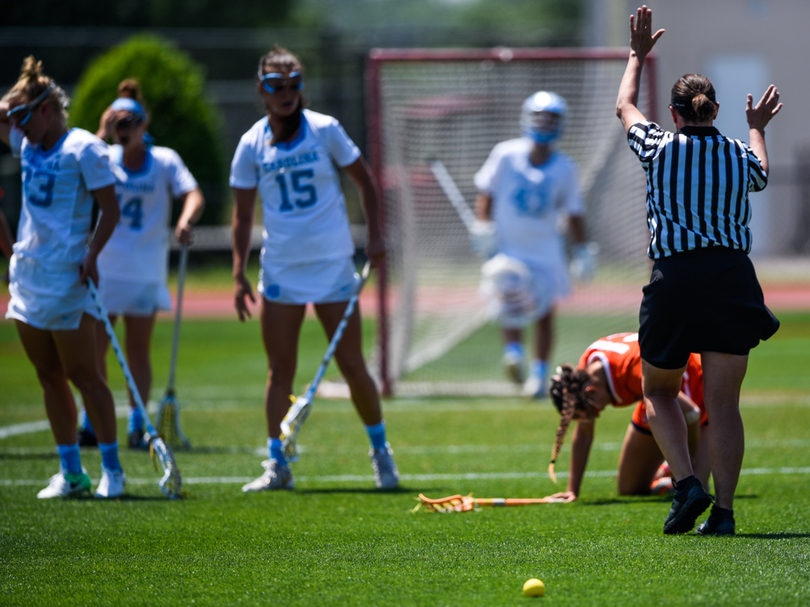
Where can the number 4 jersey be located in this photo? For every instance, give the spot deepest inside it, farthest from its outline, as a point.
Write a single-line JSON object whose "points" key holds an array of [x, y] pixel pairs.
{"points": [[303, 206], [139, 246], [57, 201]]}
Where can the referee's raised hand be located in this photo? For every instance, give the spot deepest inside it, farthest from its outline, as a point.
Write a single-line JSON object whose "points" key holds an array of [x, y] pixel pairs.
{"points": [[642, 40], [760, 115]]}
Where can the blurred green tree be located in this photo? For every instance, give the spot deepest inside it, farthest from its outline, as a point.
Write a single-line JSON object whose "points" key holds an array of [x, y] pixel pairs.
{"points": [[181, 117]]}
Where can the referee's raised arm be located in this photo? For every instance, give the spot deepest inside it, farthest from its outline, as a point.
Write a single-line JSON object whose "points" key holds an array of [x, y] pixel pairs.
{"points": [[642, 40]]}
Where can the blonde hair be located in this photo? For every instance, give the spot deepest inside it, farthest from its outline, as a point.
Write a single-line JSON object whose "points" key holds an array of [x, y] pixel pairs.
{"points": [[33, 82]]}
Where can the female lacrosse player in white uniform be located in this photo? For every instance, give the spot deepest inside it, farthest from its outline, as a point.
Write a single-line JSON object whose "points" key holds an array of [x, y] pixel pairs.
{"points": [[523, 186], [63, 171], [307, 251], [133, 265]]}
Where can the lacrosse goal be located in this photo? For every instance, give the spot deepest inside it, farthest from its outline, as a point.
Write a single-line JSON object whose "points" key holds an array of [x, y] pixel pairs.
{"points": [[454, 106]]}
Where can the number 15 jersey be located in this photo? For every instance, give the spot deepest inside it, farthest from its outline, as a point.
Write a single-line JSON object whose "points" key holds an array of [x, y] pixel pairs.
{"points": [[304, 210]]}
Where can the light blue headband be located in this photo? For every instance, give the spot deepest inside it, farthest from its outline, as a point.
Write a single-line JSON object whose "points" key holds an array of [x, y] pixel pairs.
{"points": [[129, 105]]}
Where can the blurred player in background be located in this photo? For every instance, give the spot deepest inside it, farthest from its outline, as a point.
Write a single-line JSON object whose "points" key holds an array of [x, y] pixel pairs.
{"points": [[609, 373], [523, 186], [307, 251], [134, 264], [698, 213], [63, 171]]}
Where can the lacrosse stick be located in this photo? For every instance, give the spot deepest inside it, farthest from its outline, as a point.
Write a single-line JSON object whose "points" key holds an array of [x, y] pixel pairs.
{"points": [[465, 503], [482, 233], [167, 418], [300, 409], [171, 484]]}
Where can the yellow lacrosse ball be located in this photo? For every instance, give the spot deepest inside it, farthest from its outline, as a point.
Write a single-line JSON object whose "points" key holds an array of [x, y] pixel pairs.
{"points": [[534, 587]]}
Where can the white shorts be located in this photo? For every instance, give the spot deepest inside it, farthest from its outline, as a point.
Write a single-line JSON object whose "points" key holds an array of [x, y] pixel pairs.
{"points": [[550, 283], [48, 297], [302, 283], [127, 298]]}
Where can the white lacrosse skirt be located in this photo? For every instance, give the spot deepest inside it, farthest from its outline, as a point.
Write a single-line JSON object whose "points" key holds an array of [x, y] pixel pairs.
{"points": [[49, 297], [301, 283], [127, 298]]}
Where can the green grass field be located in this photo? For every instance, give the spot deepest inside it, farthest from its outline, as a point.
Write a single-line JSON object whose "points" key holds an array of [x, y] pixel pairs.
{"points": [[337, 541]]}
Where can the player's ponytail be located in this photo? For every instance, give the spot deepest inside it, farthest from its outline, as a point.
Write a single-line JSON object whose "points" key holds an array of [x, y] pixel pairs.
{"points": [[33, 82], [567, 393], [131, 89], [693, 98]]}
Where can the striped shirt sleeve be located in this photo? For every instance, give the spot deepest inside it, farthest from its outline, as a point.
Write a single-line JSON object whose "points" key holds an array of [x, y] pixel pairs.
{"points": [[757, 178], [644, 139]]}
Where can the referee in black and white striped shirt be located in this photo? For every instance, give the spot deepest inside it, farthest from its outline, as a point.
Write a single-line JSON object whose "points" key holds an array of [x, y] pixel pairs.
{"points": [[703, 295]]}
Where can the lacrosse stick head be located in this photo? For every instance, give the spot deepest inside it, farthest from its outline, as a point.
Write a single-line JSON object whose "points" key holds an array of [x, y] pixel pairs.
{"points": [[167, 421], [446, 505], [291, 425], [171, 484]]}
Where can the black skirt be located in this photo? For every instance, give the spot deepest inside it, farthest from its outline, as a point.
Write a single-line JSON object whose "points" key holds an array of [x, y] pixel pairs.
{"points": [[705, 300]]}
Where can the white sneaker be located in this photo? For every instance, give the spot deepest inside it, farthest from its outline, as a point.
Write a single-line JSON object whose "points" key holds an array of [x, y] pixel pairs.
{"points": [[111, 484], [535, 387], [276, 476], [386, 475], [64, 484], [513, 365]]}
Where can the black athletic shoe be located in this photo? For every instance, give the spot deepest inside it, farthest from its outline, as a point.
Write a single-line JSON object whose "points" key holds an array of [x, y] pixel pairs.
{"points": [[720, 522], [689, 501], [87, 438], [135, 440]]}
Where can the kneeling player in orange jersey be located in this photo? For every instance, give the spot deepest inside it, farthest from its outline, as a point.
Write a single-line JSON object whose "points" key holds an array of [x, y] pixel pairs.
{"points": [[609, 373]]}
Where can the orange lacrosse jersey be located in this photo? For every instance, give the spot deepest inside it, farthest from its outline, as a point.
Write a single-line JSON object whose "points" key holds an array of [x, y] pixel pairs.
{"points": [[620, 356]]}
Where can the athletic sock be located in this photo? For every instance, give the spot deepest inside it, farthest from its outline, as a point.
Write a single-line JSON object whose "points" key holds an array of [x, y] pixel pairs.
{"points": [[513, 347], [69, 458], [274, 447], [109, 455], [719, 513], [685, 483], [539, 368], [84, 422], [135, 420], [376, 434]]}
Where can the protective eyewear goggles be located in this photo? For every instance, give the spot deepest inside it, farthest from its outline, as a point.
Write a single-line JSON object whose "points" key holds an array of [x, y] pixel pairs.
{"points": [[275, 82], [128, 122], [21, 114]]}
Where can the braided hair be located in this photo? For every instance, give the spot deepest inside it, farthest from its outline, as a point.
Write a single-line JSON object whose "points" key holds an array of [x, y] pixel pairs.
{"points": [[568, 395]]}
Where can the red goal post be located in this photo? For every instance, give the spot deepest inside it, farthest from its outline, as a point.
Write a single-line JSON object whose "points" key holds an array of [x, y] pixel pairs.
{"points": [[454, 105]]}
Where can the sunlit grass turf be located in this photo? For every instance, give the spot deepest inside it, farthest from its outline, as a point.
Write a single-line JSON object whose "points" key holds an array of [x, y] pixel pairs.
{"points": [[333, 542]]}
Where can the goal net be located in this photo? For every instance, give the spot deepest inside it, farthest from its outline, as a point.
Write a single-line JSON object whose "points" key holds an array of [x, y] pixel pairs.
{"points": [[454, 106]]}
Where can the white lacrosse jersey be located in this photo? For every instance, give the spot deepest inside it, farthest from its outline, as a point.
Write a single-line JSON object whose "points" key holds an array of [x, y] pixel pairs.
{"points": [[138, 250], [57, 203], [527, 200], [304, 210]]}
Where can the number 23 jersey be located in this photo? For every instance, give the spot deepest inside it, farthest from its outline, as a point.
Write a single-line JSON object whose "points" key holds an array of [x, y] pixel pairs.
{"points": [[139, 247], [57, 200], [304, 210]]}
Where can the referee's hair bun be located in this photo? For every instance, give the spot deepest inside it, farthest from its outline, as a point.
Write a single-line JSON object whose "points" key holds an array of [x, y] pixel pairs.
{"points": [[703, 107]]}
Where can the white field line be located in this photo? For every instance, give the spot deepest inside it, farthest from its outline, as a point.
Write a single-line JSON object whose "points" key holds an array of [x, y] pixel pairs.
{"points": [[351, 478], [423, 449], [40, 426]]}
